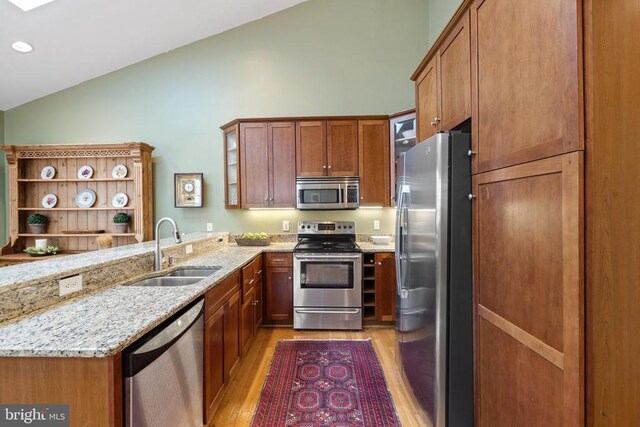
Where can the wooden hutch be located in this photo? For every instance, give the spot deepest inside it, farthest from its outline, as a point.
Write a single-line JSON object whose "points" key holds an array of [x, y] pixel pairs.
{"points": [[74, 229]]}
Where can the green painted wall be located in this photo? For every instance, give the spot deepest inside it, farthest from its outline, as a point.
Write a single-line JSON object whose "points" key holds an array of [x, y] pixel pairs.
{"points": [[3, 190], [439, 14], [322, 57]]}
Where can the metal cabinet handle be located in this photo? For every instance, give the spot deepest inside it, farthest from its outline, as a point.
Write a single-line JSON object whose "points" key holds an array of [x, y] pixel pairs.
{"points": [[324, 166], [258, 272], [471, 196], [379, 262], [289, 277], [329, 166], [471, 153], [278, 260]]}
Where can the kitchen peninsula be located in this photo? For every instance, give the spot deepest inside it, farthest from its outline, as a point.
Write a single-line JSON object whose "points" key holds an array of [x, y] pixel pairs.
{"points": [[74, 344]]}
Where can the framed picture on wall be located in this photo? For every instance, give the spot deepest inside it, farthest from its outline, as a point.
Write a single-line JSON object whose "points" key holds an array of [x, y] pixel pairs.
{"points": [[188, 190]]}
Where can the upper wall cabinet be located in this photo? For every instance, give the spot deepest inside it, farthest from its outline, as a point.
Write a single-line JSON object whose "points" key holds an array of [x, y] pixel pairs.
{"points": [[327, 148], [526, 76], [373, 149], [260, 165], [263, 157], [443, 84]]}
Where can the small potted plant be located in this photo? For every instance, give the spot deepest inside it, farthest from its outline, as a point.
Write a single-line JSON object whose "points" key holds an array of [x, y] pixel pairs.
{"points": [[121, 222], [37, 223]]}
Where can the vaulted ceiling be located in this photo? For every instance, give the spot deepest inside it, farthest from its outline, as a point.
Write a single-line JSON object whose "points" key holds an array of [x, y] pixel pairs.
{"points": [[77, 40]]}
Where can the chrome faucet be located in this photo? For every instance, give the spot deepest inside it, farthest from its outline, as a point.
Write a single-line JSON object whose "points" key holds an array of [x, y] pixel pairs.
{"points": [[157, 261]]}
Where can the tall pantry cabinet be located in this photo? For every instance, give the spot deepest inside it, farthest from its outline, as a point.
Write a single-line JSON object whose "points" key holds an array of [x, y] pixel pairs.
{"points": [[556, 211]]}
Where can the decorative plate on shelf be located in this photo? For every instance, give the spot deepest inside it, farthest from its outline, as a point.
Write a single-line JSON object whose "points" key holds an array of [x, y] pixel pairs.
{"points": [[119, 172], [48, 172], [120, 200], [85, 172], [86, 198], [49, 201]]}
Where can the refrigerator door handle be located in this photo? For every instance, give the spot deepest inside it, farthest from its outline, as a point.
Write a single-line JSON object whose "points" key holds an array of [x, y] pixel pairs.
{"points": [[400, 225]]}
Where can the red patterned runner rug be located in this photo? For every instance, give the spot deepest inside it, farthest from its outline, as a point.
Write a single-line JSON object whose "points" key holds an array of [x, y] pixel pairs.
{"points": [[337, 383]]}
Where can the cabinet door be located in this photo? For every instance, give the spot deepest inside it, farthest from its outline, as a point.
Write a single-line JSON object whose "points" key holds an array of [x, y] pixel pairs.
{"points": [[454, 75], [248, 279], [311, 148], [213, 362], [342, 148], [279, 288], [385, 286], [255, 165], [525, 81], [257, 307], [246, 322], [231, 166], [427, 102], [232, 350], [282, 165], [373, 147], [528, 290]]}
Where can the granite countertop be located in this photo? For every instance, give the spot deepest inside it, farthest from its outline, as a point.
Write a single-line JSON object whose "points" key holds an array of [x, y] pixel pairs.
{"points": [[103, 323]]}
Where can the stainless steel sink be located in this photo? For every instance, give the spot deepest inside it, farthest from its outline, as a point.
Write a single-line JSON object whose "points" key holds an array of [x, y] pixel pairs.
{"points": [[193, 272], [167, 281]]}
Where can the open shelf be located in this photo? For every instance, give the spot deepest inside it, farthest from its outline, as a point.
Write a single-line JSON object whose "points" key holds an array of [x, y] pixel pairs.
{"points": [[76, 235], [77, 209], [74, 180]]}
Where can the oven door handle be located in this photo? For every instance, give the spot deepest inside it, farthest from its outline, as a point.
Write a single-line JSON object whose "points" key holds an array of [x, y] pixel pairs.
{"points": [[311, 311], [325, 257]]}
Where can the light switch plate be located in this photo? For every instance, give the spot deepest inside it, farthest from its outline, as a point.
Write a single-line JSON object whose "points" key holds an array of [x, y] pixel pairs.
{"points": [[376, 225], [285, 225], [188, 249], [70, 284], [209, 226]]}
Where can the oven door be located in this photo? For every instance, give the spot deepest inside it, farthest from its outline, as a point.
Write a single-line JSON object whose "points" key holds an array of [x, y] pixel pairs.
{"points": [[327, 280]]}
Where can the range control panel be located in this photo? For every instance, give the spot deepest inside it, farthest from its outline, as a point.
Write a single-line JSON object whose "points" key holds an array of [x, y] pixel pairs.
{"points": [[327, 227]]}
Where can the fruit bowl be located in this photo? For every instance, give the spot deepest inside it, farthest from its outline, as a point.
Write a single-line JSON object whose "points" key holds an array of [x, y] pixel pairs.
{"points": [[253, 239]]}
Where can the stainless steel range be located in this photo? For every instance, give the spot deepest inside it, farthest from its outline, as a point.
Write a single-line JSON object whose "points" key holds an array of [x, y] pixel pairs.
{"points": [[327, 271]]}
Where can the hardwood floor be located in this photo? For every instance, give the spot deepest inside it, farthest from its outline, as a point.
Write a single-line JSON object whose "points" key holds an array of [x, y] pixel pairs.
{"points": [[241, 397]]}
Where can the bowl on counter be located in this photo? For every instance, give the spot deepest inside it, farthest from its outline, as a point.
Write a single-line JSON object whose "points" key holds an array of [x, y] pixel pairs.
{"points": [[381, 240]]}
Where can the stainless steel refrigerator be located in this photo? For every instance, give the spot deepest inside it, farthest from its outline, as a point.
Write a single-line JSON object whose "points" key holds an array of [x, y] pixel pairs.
{"points": [[433, 266]]}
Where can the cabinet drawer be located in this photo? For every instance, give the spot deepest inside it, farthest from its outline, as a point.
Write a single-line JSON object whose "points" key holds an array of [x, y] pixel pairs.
{"points": [[257, 268], [217, 296], [279, 259]]}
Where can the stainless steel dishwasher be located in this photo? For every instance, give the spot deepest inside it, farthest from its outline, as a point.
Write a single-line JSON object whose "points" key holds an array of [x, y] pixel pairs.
{"points": [[163, 373]]}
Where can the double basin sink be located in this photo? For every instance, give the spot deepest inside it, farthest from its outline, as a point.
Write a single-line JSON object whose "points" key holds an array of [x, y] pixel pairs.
{"points": [[181, 277]]}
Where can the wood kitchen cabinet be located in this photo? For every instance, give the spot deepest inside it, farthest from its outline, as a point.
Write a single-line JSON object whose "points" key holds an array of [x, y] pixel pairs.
{"points": [[265, 165], [279, 288], [221, 340], [385, 274], [327, 148], [268, 168], [373, 150], [214, 351], [443, 84], [379, 287], [251, 309], [528, 291], [526, 79]]}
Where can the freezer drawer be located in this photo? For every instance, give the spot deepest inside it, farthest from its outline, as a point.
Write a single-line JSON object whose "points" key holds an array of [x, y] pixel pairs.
{"points": [[327, 318]]}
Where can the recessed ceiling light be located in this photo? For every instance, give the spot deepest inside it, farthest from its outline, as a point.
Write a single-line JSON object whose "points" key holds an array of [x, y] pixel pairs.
{"points": [[22, 47], [27, 5]]}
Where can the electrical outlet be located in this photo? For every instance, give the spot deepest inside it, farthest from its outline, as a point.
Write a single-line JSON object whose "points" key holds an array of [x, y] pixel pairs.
{"points": [[209, 226], [376, 225], [285, 225], [70, 284], [188, 249]]}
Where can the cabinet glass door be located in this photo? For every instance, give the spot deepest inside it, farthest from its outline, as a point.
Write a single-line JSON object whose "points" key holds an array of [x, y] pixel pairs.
{"points": [[231, 156], [403, 138]]}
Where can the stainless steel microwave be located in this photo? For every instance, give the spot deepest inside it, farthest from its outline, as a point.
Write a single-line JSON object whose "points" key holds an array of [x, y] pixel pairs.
{"points": [[329, 192]]}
